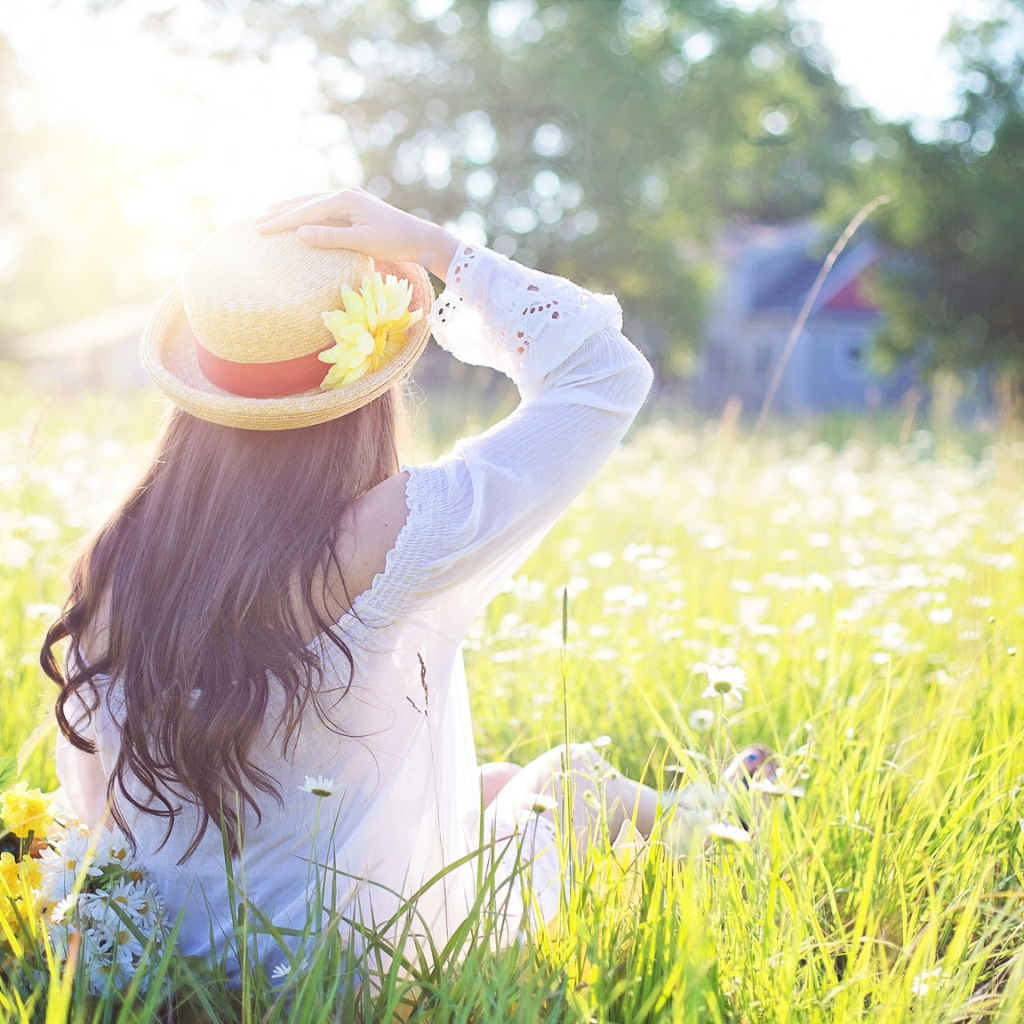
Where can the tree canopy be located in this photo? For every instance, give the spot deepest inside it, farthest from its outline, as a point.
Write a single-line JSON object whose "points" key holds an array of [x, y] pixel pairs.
{"points": [[608, 140], [612, 141], [956, 292]]}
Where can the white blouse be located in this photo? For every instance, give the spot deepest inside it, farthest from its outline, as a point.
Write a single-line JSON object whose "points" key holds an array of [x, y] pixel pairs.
{"points": [[409, 801]]}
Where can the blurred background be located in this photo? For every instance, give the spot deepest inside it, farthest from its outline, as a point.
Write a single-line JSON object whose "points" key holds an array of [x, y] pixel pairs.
{"points": [[698, 158]]}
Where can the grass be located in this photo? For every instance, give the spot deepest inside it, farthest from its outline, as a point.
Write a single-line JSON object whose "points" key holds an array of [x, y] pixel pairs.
{"points": [[870, 587]]}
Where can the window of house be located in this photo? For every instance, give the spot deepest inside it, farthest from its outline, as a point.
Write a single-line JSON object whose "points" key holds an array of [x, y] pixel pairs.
{"points": [[851, 353]]}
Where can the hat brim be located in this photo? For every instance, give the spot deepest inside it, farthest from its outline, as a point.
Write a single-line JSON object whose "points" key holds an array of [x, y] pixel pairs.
{"points": [[169, 356]]}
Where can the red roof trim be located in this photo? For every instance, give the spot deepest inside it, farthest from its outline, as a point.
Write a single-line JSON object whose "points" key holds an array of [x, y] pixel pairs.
{"points": [[852, 297]]}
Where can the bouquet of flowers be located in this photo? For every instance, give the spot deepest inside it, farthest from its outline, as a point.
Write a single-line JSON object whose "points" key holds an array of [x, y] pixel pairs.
{"points": [[78, 891]]}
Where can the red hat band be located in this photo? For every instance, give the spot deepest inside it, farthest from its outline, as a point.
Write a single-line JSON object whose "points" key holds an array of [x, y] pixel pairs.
{"points": [[263, 380]]}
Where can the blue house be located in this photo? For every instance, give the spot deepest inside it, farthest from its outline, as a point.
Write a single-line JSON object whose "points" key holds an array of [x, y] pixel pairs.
{"points": [[768, 272]]}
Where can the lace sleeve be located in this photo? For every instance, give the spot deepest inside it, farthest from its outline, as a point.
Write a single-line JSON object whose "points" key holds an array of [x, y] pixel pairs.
{"points": [[475, 514], [497, 313]]}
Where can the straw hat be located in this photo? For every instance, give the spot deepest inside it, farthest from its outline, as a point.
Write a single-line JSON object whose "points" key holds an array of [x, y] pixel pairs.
{"points": [[236, 342]]}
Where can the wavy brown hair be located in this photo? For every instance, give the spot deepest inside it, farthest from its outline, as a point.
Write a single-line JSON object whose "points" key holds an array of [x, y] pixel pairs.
{"points": [[199, 595]]}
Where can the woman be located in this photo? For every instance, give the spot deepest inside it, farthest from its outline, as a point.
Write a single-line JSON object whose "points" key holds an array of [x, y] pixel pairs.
{"points": [[278, 599]]}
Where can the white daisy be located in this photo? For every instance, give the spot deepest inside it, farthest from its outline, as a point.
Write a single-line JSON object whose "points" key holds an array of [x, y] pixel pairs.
{"points": [[729, 683], [62, 862], [135, 897], [727, 833], [770, 788], [925, 982], [98, 967], [63, 909], [702, 719], [116, 913], [542, 803], [114, 855], [319, 786]]}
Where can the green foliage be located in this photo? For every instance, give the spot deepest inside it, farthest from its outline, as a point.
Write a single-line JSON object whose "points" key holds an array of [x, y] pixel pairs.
{"points": [[955, 294], [871, 589], [609, 141]]}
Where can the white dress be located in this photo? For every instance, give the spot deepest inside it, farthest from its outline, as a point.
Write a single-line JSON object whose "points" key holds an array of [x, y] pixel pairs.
{"points": [[410, 800]]}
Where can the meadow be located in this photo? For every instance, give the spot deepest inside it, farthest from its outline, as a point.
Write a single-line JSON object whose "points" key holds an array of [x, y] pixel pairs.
{"points": [[866, 580]]}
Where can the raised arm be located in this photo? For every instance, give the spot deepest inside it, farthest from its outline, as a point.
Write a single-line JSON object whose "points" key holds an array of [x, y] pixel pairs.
{"points": [[476, 513], [354, 219]]}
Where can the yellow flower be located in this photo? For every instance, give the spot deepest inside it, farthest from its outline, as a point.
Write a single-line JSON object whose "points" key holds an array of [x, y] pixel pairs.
{"points": [[25, 810], [370, 330], [19, 897], [30, 874], [10, 926], [8, 872]]}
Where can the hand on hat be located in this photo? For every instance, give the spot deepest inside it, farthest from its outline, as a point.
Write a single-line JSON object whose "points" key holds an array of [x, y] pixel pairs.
{"points": [[354, 219]]}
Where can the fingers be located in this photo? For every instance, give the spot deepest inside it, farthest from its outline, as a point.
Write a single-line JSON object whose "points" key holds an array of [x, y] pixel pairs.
{"points": [[318, 209], [321, 207], [323, 237], [350, 219]]}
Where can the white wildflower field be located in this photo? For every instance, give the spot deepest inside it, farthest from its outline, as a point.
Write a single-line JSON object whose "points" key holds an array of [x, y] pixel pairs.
{"points": [[857, 605]]}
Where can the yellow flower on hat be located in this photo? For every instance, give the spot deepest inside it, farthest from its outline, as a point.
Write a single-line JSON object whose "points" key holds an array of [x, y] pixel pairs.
{"points": [[370, 330], [25, 810]]}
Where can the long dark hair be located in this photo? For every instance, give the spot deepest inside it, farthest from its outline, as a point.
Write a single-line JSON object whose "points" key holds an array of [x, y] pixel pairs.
{"points": [[207, 581]]}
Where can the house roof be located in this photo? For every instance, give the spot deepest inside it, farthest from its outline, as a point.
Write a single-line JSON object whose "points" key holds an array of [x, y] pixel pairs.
{"points": [[782, 282], [852, 298]]}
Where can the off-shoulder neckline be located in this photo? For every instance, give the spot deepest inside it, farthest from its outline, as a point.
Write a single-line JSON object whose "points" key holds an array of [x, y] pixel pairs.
{"points": [[358, 619]]}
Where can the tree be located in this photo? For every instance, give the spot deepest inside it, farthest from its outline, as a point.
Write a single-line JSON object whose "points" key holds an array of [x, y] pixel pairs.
{"points": [[608, 140], [954, 292]]}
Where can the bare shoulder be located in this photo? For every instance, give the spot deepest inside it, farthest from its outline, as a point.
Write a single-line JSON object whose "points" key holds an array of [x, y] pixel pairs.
{"points": [[370, 530], [382, 511], [94, 638]]}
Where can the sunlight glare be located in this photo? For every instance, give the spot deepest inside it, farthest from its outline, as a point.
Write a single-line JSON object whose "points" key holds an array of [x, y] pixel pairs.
{"points": [[229, 133], [890, 52]]}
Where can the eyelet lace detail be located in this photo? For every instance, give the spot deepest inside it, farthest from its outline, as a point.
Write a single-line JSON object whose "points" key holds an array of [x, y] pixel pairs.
{"points": [[497, 313]]}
